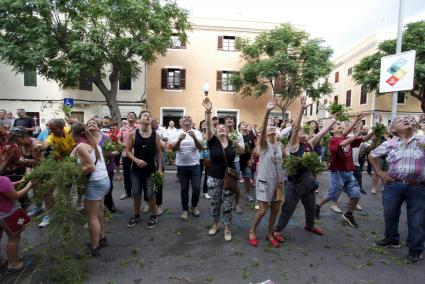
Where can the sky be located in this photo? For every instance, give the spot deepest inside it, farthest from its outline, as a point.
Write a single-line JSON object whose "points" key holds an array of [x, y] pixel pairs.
{"points": [[341, 23]]}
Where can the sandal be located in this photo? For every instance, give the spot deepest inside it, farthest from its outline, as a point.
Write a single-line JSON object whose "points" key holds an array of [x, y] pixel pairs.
{"points": [[24, 266], [273, 242], [253, 241], [315, 230], [278, 237]]}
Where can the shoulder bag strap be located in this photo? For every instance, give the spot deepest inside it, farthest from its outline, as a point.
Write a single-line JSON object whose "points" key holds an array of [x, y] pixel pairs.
{"points": [[224, 152]]}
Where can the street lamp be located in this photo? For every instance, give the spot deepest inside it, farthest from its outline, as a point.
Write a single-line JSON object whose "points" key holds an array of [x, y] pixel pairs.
{"points": [[206, 88]]}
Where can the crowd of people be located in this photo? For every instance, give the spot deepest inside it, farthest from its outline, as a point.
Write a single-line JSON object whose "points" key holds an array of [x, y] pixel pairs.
{"points": [[223, 153]]}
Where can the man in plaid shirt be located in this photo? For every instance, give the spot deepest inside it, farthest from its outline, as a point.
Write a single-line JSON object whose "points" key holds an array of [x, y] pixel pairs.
{"points": [[405, 182]]}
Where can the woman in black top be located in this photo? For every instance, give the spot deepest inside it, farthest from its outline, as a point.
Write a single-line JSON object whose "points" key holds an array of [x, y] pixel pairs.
{"points": [[219, 144]]}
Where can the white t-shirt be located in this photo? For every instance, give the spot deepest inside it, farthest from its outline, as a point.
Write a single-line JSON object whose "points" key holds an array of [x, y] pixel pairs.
{"points": [[187, 154], [241, 143], [171, 133]]}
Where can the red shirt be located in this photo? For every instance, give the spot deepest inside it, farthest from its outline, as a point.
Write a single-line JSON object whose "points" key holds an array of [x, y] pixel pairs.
{"points": [[342, 157]]}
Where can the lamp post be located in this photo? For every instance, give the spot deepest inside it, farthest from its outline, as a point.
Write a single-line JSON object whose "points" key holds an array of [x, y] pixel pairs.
{"points": [[206, 88]]}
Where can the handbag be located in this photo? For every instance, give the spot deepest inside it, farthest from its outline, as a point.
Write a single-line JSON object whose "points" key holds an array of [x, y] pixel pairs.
{"points": [[303, 183], [15, 222], [231, 176]]}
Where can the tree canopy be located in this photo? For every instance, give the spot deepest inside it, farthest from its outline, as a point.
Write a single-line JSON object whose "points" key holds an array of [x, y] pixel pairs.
{"points": [[367, 72], [68, 40], [286, 60]]}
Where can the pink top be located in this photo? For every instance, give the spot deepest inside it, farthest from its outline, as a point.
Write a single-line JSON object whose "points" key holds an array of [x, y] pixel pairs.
{"points": [[6, 204], [125, 133]]}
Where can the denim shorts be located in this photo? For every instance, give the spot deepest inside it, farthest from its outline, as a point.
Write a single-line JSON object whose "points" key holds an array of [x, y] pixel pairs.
{"points": [[342, 180], [140, 184], [97, 189], [246, 171]]}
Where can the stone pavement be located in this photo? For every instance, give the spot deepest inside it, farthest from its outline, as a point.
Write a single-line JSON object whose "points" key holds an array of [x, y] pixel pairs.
{"points": [[178, 251]]}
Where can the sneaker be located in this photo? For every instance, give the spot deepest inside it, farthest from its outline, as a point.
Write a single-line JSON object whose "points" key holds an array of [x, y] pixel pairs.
{"points": [[44, 222], [159, 211], [213, 230], [94, 252], [207, 196], [152, 222], [103, 242], [336, 209], [184, 215], [362, 191], [385, 243], [132, 222], [358, 207], [257, 206], [196, 212], [250, 198], [350, 219], [146, 209], [238, 209], [227, 236], [35, 211], [373, 190], [317, 212], [124, 196], [413, 257]]}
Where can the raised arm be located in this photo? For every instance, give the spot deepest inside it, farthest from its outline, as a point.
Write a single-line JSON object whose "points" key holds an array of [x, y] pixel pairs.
{"points": [[294, 142], [315, 140], [208, 106], [353, 123], [263, 141]]}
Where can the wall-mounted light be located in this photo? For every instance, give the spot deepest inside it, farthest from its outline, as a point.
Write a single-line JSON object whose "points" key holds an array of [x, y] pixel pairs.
{"points": [[206, 88]]}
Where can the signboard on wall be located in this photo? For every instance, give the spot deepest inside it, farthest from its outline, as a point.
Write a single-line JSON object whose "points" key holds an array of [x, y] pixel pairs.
{"points": [[397, 72]]}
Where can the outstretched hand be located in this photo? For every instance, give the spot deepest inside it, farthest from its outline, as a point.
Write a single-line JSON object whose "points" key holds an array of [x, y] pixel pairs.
{"points": [[207, 104], [271, 104], [303, 101]]}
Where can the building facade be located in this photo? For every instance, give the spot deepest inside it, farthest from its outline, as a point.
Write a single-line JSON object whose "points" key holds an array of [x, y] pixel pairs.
{"points": [[175, 82], [42, 99], [353, 96]]}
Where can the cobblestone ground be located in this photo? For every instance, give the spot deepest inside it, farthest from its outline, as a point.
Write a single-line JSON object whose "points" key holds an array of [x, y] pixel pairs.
{"points": [[177, 251]]}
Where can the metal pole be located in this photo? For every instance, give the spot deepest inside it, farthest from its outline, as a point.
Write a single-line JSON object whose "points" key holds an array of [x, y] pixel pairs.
{"points": [[398, 51]]}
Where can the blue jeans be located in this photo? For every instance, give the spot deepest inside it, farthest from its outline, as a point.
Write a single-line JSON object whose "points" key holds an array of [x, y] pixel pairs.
{"points": [[393, 198], [190, 174]]}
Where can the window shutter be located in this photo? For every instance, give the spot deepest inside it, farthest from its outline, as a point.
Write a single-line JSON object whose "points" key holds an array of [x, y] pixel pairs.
{"points": [[164, 78], [183, 79], [218, 87], [220, 43]]}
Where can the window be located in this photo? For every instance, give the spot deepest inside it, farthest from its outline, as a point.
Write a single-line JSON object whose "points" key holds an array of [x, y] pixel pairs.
{"points": [[222, 114], [311, 109], [401, 98], [348, 98], [173, 79], [30, 78], [336, 99], [78, 115], [350, 71], [223, 81], [125, 78], [363, 95], [336, 77], [176, 43], [226, 43], [85, 84], [317, 107], [171, 114]]}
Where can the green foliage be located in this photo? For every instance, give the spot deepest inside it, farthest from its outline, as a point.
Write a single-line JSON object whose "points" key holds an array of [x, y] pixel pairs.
{"points": [[367, 72], [57, 258], [307, 129], [284, 140], [69, 40], [379, 130], [326, 138], [309, 161], [66, 110], [288, 61], [339, 111], [156, 181]]}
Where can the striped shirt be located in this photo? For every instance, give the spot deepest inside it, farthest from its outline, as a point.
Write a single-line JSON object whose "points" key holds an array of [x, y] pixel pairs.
{"points": [[406, 160]]}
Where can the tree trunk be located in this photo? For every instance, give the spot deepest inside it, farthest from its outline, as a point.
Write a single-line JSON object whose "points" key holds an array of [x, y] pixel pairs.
{"points": [[112, 103], [423, 100]]}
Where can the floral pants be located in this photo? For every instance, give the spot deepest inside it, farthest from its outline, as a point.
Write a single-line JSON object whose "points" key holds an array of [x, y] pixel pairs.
{"points": [[220, 198]]}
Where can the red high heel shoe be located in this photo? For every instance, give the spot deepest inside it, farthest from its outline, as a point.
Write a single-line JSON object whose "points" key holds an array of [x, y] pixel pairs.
{"points": [[253, 242], [278, 237]]}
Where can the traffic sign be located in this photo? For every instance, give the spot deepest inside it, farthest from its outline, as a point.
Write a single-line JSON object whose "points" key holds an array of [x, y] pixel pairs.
{"points": [[68, 102], [397, 72]]}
